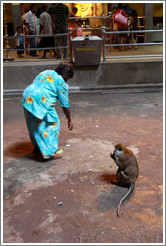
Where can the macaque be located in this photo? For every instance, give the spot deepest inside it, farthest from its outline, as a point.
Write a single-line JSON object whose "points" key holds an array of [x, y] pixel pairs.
{"points": [[127, 172]]}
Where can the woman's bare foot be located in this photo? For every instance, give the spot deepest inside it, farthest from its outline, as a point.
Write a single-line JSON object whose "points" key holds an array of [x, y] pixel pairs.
{"points": [[57, 156]]}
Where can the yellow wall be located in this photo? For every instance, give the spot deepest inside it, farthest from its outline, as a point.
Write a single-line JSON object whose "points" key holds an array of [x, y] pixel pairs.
{"points": [[8, 12], [84, 9], [157, 10], [139, 7]]}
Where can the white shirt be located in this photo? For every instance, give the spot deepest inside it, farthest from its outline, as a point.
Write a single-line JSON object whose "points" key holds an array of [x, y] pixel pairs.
{"points": [[31, 20]]}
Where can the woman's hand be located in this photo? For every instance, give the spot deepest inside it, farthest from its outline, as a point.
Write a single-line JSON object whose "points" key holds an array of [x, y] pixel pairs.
{"points": [[67, 114], [70, 125]]}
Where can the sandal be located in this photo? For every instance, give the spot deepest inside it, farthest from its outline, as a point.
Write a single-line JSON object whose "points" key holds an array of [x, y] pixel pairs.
{"points": [[57, 156]]}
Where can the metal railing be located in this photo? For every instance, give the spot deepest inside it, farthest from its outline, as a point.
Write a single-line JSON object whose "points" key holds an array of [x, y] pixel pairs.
{"points": [[68, 35], [104, 33]]}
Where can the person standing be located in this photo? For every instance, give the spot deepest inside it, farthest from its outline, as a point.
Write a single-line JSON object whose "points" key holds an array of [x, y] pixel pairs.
{"points": [[114, 27], [60, 12], [45, 22], [38, 13], [122, 37], [25, 30], [31, 22], [19, 42], [24, 16]]}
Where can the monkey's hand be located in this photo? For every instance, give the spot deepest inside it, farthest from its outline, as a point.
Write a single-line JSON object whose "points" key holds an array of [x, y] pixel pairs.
{"points": [[112, 156], [115, 159]]}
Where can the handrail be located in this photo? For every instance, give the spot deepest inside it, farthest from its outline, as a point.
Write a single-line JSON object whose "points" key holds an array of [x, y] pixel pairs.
{"points": [[137, 31], [104, 33], [37, 35], [33, 36]]}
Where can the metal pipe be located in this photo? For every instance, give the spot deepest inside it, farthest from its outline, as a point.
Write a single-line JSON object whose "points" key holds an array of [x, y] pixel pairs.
{"points": [[138, 31], [103, 37], [34, 36], [48, 48], [70, 39], [137, 56], [104, 33], [89, 28], [138, 44]]}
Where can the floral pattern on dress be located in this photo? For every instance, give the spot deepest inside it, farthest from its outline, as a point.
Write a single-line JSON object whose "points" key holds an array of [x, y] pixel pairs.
{"points": [[38, 100]]}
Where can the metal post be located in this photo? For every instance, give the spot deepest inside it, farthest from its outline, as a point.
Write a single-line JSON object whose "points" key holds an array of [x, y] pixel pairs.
{"points": [[70, 38], [103, 37]]}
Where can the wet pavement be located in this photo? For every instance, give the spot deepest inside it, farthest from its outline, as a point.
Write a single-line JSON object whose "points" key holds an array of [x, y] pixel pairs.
{"points": [[81, 179]]}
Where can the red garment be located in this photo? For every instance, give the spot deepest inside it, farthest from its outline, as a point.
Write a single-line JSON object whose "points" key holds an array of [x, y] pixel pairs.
{"points": [[123, 13]]}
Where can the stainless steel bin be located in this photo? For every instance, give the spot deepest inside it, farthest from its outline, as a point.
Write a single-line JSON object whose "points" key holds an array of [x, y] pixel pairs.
{"points": [[86, 51]]}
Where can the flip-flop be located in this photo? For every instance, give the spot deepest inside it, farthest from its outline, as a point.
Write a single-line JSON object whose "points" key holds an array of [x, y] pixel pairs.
{"points": [[57, 156]]}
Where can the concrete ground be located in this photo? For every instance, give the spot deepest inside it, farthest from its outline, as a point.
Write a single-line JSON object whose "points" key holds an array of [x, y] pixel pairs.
{"points": [[81, 179]]}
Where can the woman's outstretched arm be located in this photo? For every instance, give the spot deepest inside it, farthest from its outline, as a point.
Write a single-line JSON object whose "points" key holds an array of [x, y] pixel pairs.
{"points": [[68, 116]]}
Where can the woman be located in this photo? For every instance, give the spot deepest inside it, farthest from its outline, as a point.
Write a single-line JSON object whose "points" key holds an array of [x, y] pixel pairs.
{"points": [[114, 27], [122, 37], [38, 101]]}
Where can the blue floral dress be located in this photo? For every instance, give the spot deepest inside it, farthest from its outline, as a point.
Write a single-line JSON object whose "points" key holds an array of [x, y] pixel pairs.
{"points": [[42, 120]]}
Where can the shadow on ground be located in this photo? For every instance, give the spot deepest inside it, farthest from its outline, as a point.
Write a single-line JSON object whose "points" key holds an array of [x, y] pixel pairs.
{"points": [[18, 149], [110, 200]]}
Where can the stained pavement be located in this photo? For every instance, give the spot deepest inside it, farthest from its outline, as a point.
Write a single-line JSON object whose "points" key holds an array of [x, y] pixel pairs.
{"points": [[81, 179]]}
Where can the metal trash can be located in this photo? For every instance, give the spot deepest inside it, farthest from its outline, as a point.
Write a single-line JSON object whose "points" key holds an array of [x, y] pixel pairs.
{"points": [[86, 50]]}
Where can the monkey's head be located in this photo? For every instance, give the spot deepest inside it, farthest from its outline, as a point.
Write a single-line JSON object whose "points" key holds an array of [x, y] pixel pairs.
{"points": [[119, 151]]}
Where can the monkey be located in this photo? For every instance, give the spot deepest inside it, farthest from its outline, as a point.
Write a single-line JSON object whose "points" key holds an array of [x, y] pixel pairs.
{"points": [[128, 170]]}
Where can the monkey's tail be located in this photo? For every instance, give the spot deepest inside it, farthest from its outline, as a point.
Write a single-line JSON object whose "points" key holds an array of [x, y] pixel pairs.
{"points": [[128, 194]]}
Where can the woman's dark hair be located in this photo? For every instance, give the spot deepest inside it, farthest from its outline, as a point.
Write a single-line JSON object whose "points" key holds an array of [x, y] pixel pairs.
{"points": [[63, 68], [115, 8], [19, 27], [43, 8], [120, 5], [32, 6], [26, 10], [74, 10], [38, 12]]}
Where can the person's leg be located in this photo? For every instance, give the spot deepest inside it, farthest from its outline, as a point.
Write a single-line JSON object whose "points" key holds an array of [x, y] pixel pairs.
{"points": [[65, 41], [120, 41], [26, 46], [33, 45], [44, 54], [47, 137], [22, 51], [58, 42], [52, 44], [44, 135], [29, 122], [18, 52]]}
